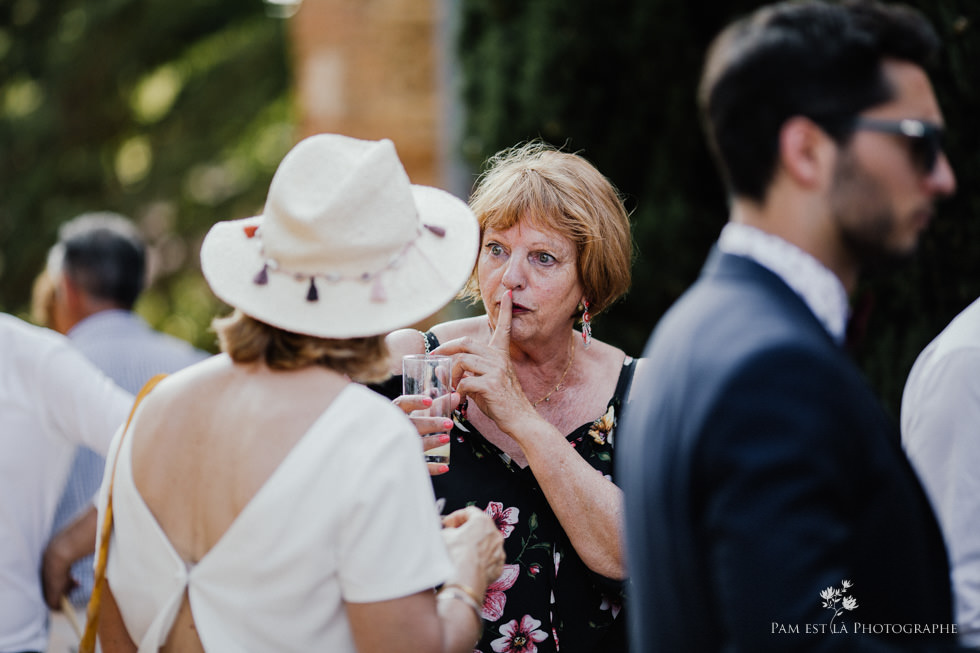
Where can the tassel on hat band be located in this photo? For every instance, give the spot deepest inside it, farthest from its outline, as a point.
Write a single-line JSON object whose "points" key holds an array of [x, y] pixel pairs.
{"points": [[262, 277], [439, 231], [378, 294]]}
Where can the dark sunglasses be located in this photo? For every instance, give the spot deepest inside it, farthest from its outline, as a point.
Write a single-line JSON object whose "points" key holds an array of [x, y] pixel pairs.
{"points": [[925, 138]]}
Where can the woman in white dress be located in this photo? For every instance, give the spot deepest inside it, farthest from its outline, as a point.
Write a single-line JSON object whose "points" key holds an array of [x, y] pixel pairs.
{"points": [[262, 500]]}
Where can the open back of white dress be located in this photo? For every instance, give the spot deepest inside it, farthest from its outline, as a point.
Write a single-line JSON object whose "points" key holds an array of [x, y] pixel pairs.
{"points": [[347, 516]]}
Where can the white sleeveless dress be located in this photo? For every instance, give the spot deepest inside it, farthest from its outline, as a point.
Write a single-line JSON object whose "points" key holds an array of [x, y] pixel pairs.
{"points": [[347, 516]]}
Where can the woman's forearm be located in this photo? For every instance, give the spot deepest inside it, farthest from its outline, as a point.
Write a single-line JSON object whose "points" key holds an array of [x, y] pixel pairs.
{"points": [[414, 623], [462, 625], [588, 506]]}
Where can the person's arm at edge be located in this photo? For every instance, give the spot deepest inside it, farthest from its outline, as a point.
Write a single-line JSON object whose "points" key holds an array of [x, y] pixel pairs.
{"points": [[83, 404], [73, 542], [939, 433]]}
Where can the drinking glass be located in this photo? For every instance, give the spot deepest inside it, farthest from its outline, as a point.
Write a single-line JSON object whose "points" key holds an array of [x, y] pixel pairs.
{"points": [[430, 376]]}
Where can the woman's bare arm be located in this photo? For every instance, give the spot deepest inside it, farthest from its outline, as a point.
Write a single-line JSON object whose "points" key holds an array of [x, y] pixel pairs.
{"points": [[112, 631], [414, 623]]}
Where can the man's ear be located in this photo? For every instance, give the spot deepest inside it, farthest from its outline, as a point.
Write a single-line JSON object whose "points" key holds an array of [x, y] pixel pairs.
{"points": [[63, 298], [806, 153], [73, 302], [71, 294]]}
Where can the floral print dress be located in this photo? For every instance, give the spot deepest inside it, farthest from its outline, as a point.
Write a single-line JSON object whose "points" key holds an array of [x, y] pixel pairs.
{"points": [[546, 599]]}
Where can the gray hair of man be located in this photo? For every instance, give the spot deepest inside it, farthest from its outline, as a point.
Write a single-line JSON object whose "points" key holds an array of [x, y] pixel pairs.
{"points": [[103, 254]]}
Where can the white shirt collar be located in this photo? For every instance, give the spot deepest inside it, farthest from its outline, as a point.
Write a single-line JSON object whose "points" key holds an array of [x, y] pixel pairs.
{"points": [[820, 289]]}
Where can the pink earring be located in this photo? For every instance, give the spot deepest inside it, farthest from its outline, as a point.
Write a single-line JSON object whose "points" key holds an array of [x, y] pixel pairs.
{"points": [[586, 325]]}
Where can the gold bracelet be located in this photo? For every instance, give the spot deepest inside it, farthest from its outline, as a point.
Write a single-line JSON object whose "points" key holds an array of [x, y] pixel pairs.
{"points": [[467, 590], [454, 592]]}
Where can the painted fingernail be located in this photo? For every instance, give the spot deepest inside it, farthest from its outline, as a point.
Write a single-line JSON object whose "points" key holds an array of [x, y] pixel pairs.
{"points": [[444, 438], [427, 401], [510, 293], [448, 424], [442, 469]]}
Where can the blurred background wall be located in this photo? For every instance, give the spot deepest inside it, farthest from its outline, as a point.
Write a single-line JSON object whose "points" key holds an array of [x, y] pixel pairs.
{"points": [[379, 69]]}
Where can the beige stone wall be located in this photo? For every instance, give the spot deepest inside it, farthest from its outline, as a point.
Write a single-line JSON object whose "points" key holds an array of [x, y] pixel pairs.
{"points": [[369, 68]]}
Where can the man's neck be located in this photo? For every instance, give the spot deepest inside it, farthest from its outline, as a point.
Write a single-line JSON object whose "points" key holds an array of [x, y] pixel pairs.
{"points": [[90, 308], [805, 227], [817, 286]]}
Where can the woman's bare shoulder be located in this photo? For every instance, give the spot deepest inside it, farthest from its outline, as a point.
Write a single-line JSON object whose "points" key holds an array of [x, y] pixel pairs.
{"points": [[605, 355], [602, 365], [404, 342], [467, 326], [412, 341], [188, 383]]}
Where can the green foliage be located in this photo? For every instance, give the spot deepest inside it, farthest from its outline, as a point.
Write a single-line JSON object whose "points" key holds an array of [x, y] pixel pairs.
{"points": [[174, 113], [616, 81]]}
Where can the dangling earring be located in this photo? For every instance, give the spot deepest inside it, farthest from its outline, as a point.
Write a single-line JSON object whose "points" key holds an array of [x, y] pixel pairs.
{"points": [[586, 324]]}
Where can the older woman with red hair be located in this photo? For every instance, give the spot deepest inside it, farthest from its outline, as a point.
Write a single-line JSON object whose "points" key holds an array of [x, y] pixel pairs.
{"points": [[532, 440]]}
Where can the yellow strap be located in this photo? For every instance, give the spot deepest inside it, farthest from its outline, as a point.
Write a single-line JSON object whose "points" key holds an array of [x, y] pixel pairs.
{"points": [[87, 644]]}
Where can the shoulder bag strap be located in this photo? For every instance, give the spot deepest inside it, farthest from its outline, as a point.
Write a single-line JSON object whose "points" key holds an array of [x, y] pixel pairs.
{"points": [[87, 644]]}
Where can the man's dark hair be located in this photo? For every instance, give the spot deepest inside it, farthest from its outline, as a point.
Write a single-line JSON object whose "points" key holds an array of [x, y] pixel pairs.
{"points": [[813, 59], [104, 255]]}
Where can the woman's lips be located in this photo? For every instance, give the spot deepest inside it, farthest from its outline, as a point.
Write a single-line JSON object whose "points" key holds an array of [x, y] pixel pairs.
{"points": [[517, 308]]}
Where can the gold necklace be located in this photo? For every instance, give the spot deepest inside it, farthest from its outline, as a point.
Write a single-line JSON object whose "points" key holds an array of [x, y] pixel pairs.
{"points": [[547, 397]]}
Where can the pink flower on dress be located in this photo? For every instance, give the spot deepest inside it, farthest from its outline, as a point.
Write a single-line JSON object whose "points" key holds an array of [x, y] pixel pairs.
{"points": [[504, 519], [493, 605], [519, 638], [609, 603]]}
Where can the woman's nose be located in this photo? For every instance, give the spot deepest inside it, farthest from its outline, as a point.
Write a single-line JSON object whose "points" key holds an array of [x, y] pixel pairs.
{"points": [[514, 274]]}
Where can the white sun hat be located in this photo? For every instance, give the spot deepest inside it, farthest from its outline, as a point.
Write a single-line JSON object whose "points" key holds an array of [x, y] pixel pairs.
{"points": [[345, 247]]}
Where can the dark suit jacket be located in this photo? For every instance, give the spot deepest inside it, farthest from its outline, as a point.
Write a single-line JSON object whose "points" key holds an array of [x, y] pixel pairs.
{"points": [[759, 470]]}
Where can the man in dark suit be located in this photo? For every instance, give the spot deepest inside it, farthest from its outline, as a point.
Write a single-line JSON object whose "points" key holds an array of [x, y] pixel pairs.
{"points": [[769, 506]]}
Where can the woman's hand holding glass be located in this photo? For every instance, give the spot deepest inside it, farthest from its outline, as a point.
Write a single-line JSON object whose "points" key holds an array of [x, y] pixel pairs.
{"points": [[486, 375], [434, 430]]}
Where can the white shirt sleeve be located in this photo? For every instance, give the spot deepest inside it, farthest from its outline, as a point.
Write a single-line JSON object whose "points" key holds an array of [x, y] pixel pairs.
{"points": [[81, 403], [941, 435]]}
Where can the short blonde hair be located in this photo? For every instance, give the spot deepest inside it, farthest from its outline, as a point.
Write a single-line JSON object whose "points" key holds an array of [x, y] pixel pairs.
{"points": [[561, 192], [247, 340]]}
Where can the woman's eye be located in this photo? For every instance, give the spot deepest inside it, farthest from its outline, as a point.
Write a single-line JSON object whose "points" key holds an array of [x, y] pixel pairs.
{"points": [[542, 257], [495, 249]]}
